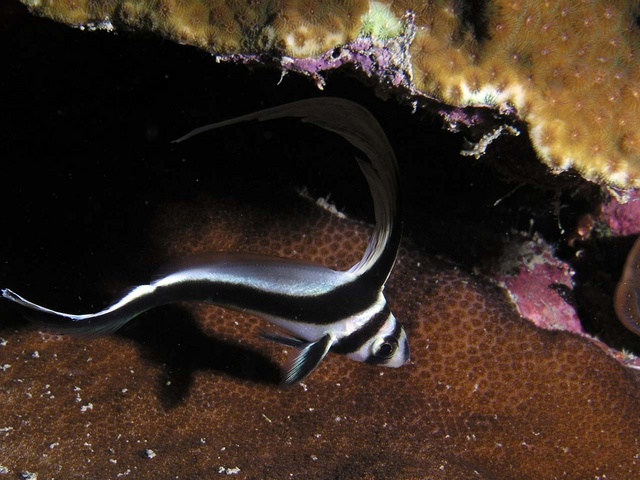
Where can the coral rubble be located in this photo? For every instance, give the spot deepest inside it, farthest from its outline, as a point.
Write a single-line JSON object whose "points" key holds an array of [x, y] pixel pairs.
{"points": [[569, 68]]}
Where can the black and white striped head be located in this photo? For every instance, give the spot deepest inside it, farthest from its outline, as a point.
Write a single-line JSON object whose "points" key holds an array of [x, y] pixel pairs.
{"points": [[387, 346]]}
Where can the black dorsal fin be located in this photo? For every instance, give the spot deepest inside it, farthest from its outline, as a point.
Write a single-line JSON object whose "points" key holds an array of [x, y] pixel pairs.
{"points": [[360, 128]]}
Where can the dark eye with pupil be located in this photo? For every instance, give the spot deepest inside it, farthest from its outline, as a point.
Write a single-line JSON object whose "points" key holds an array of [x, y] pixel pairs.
{"points": [[387, 349]]}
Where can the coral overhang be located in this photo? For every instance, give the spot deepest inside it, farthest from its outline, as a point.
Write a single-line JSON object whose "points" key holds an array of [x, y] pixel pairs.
{"points": [[569, 68]]}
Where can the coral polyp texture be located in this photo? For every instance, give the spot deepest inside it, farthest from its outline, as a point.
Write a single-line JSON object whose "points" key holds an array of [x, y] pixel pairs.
{"points": [[298, 27], [569, 68], [485, 391]]}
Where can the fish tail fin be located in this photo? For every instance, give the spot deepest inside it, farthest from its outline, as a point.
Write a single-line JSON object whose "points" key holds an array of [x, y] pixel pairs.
{"points": [[104, 322]]}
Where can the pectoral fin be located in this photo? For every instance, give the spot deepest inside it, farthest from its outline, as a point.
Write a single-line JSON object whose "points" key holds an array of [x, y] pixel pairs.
{"points": [[302, 363], [283, 339]]}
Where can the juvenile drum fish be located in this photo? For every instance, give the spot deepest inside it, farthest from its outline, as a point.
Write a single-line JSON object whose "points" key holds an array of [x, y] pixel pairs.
{"points": [[320, 309]]}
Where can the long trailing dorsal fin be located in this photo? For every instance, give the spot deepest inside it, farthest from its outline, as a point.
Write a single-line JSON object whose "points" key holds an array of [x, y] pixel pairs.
{"points": [[360, 128]]}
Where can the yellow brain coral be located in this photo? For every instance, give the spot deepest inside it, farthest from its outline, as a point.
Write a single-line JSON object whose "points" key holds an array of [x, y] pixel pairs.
{"points": [[569, 67], [300, 27]]}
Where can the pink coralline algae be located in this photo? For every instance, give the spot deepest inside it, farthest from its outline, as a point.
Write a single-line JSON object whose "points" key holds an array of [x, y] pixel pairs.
{"points": [[541, 287], [623, 218]]}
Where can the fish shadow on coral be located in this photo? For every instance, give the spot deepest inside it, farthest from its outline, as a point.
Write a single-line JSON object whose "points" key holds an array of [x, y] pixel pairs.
{"points": [[10, 321], [170, 336]]}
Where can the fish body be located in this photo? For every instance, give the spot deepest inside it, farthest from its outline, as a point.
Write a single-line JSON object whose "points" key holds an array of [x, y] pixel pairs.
{"points": [[627, 294], [321, 309]]}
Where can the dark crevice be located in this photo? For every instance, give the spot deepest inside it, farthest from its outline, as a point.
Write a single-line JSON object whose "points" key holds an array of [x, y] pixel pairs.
{"points": [[474, 19]]}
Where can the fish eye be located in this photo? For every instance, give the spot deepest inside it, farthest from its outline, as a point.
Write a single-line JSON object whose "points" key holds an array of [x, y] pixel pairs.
{"points": [[385, 348]]}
